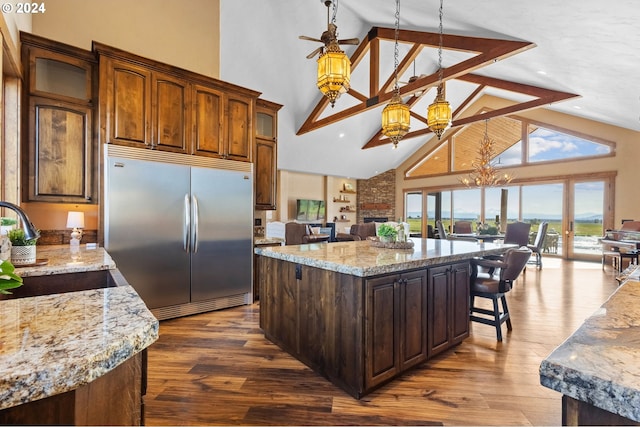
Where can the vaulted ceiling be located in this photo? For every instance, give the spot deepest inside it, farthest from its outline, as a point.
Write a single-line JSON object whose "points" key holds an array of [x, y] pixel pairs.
{"points": [[576, 59]]}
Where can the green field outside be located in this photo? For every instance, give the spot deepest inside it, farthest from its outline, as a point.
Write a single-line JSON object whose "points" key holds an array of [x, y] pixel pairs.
{"points": [[581, 228]]}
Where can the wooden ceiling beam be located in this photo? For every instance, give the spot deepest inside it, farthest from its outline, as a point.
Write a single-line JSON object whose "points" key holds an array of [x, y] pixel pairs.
{"points": [[485, 51]]}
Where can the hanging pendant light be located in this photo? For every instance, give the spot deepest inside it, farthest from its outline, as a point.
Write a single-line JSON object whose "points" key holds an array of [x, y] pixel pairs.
{"points": [[396, 115], [334, 72], [334, 66], [439, 112]]}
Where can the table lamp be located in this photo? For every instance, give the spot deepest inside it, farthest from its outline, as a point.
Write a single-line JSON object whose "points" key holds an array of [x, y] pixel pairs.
{"points": [[75, 220]]}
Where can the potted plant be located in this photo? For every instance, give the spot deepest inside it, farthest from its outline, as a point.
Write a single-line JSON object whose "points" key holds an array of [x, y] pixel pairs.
{"points": [[23, 250], [8, 279], [387, 233]]}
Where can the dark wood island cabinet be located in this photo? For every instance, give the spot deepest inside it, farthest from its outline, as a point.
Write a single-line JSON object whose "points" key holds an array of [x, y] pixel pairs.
{"points": [[360, 315]]}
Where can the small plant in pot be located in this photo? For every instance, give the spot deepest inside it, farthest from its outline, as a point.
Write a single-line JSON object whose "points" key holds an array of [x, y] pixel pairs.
{"points": [[23, 250], [387, 233]]}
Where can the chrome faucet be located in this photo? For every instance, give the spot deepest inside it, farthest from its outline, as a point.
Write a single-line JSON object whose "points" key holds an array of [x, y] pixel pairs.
{"points": [[30, 232]]}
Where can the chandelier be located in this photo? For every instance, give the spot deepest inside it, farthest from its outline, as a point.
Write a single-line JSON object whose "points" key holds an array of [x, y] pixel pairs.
{"points": [[439, 112], [484, 172], [334, 66], [396, 115]]}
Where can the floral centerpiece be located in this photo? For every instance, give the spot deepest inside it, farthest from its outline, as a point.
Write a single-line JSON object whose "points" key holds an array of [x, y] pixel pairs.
{"points": [[487, 229]]}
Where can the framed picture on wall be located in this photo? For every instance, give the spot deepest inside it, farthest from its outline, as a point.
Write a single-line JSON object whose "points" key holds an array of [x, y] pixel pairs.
{"points": [[348, 187]]}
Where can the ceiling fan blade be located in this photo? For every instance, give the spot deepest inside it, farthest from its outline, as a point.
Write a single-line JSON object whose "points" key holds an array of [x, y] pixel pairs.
{"points": [[314, 53], [354, 40], [309, 38]]}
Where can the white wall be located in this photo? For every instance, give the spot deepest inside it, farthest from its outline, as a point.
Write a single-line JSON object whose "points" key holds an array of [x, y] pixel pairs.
{"points": [[181, 33]]}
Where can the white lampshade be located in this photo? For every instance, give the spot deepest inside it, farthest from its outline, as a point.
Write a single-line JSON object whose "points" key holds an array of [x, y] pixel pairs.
{"points": [[75, 219]]}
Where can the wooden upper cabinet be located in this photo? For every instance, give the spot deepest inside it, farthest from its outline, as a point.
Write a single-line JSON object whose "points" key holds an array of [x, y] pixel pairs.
{"points": [[239, 127], [153, 105], [208, 117], [128, 96], [172, 114], [266, 155], [58, 135]]}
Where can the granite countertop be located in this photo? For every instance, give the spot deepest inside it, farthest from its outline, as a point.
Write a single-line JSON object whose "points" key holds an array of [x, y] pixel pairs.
{"points": [[55, 343], [267, 241], [363, 260], [65, 259], [598, 364]]}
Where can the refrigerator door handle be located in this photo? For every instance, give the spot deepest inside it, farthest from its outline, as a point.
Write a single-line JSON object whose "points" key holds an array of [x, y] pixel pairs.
{"points": [[186, 226], [194, 237]]}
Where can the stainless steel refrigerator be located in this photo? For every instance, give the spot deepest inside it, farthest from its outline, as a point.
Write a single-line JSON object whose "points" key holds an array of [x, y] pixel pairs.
{"points": [[180, 229]]}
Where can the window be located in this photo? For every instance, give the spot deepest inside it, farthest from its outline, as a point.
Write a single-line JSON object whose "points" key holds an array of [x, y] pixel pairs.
{"points": [[548, 145], [543, 143]]}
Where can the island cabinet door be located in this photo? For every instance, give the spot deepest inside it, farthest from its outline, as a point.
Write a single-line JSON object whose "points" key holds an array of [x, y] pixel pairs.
{"points": [[448, 299], [382, 324], [396, 322]]}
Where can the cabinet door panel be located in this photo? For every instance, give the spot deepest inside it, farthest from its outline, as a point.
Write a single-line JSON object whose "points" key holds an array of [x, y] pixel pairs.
{"points": [[413, 326], [208, 122], [460, 302], [131, 105], [171, 123], [239, 128], [60, 140], [382, 315], [265, 172], [438, 309]]}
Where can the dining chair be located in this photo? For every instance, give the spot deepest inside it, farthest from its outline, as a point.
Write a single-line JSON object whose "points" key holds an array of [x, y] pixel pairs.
{"points": [[442, 233], [518, 233], [538, 244], [494, 286], [462, 227]]}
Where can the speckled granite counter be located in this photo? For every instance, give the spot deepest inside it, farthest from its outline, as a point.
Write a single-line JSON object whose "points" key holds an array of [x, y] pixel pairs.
{"points": [[56, 343], [362, 260], [268, 241], [599, 363], [62, 259]]}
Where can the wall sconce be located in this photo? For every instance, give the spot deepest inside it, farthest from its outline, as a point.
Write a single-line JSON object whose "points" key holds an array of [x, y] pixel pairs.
{"points": [[75, 220]]}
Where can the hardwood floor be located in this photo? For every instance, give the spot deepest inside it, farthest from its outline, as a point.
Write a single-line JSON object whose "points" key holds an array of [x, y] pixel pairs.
{"points": [[217, 368]]}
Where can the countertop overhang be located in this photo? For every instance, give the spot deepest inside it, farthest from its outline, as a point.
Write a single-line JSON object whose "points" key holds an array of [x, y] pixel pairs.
{"points": [[56, 343], [362, 259], [599, 363]]}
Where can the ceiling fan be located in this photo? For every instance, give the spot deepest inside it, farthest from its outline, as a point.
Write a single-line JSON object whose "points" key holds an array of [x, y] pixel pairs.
{"points": [[329, 36], [413, 78]]}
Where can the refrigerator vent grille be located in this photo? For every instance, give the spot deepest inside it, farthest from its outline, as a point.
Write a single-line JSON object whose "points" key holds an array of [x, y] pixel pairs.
{"points": [[176, 158], [171, 312]]}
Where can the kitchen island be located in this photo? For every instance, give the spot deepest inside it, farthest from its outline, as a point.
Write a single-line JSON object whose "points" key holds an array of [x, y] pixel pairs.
{"points": [[596, 369], [73, 356], [362, 315]]}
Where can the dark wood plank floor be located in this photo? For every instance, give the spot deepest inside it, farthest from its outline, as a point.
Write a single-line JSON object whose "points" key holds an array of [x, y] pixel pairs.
{"points": [[217, 368]]}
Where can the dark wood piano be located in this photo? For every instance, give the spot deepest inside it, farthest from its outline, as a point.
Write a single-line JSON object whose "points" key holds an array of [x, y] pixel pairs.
{"points": [[621, 244]]}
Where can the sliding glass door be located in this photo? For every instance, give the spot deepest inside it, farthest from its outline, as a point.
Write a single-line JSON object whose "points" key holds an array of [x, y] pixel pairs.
{"points": [[585, 219]]}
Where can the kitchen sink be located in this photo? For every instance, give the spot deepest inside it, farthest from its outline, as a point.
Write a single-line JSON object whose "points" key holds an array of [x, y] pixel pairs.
{"points": [[67, 282]]}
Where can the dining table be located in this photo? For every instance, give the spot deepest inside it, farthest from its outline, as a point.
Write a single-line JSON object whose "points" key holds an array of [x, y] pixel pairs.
{"points": [[478, 237]]}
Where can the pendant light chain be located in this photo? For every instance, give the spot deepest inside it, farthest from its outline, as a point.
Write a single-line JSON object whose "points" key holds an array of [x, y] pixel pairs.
{"points": [[335, 11], [395, 50], [440, 71]]}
